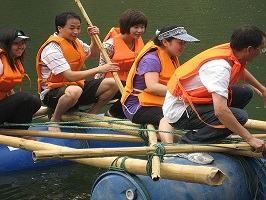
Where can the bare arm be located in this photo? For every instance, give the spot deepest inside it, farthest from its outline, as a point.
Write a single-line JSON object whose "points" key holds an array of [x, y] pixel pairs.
{"points": [[153, 85], [79, 75], [227, 118], [109, 48], [250, 79]]}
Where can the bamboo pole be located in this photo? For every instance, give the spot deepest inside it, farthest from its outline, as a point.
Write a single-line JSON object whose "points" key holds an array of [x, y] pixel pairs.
{"points": [[155, 174], [74, 136], [255, 125], [100, 45], [243, 149], [257, 135], [80, 116], [256, 90], [127, 127], [194, 174]]}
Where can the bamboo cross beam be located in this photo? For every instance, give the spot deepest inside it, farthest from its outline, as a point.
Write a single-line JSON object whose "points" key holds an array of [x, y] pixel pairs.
{"points": [[255, 125], [80, 116], [100, 45], [127, 127], [257, 135], [73, 136], [194, 174], [243, 149], [109, 120]]}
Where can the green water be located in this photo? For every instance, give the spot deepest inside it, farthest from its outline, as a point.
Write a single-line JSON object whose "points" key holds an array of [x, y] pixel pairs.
{"points": [[211, 21]]}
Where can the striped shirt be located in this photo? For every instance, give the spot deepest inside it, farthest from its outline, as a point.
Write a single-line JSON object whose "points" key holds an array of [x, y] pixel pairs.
{"points": [[55, 62]]}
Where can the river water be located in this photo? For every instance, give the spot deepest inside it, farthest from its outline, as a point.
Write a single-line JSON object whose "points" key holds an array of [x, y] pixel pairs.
{"points": [[211, 21]]}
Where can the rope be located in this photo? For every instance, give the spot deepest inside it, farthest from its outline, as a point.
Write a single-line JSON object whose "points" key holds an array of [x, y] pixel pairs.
{"points": [[253, 178], [144, 134], [159, 151], [130, 177], [122, 168]]}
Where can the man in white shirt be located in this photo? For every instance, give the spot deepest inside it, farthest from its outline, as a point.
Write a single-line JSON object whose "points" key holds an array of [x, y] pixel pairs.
{"points": [[59, 60], [221, 113]]}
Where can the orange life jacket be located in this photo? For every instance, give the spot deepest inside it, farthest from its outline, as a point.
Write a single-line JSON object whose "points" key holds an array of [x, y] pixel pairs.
{"points": [[191, 68], [122, 54], [9, 79], [75, 57], [168, 67]]}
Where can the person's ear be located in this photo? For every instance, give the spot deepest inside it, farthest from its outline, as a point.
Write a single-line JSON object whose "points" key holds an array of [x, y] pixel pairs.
{"points": [[164, 42]]}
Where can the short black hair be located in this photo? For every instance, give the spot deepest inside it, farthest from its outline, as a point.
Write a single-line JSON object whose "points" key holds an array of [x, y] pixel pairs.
{"points": [[61, 19], [245, 36]]}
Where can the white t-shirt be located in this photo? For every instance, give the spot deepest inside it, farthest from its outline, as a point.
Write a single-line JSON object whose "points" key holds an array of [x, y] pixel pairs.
{"points": [[55, 62], [108, 45], [214, 75], [1, 68]]}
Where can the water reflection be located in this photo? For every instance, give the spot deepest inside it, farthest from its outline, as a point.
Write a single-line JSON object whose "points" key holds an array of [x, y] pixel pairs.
{"points": [[71, 182]]}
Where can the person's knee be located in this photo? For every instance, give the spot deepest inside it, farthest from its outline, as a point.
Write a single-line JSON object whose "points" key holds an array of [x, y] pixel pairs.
{"points": [[30, 100], [110, 83], [28, 97], [108, 86], [73, 92], [241, 116], [36, 101], [249, 92]]}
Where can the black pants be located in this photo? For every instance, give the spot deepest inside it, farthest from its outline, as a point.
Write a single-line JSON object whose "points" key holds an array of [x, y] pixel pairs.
{"points": [[116, 109], [19, 108], [202, 133], [148, 115]]}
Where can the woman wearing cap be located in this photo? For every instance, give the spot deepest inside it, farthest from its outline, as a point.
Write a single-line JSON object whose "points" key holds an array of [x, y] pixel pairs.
{"points": [[145, 88], [17, 107]]}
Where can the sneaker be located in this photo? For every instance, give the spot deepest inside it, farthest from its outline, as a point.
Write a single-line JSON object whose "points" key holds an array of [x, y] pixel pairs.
{"points": [[108, 114], [115, 115], [200, 158]]}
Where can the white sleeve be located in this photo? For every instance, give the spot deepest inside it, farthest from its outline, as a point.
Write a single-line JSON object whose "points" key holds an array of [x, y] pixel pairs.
{"points": [[215, 76], [109, 48], [1, 68], [86, 48], [53, 58]]}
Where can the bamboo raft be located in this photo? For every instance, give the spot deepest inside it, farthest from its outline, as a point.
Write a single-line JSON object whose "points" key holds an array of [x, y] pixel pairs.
{"points": [[106, 143], [102, 139]]}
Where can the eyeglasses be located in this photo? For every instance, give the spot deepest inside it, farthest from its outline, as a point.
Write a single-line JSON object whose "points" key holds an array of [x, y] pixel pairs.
{"points": [[263, 50]]}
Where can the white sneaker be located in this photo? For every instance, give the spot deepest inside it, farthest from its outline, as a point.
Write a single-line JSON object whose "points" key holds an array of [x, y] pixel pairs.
{"points": [[200, 158]]}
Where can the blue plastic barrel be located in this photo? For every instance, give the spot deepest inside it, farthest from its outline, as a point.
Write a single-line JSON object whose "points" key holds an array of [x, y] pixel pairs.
{"points": [[245, 180], [12, 159]]}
